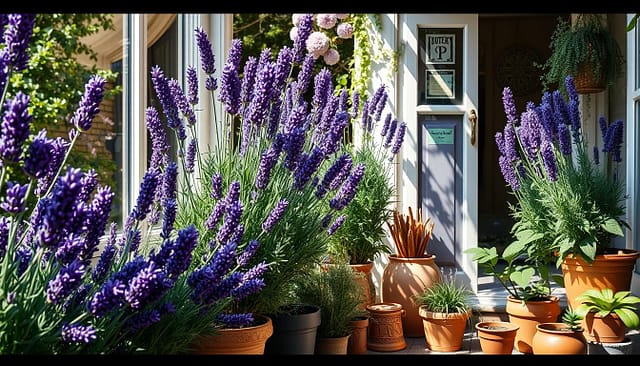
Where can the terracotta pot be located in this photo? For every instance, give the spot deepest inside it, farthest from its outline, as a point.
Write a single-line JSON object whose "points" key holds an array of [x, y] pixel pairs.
{"points": [[528, 316], [385, 331], [332, 345], [358, 331], [558, 339], [367, 283], [237, 341], [608, 329], [444, 332], [402, 279], [497, 338]]}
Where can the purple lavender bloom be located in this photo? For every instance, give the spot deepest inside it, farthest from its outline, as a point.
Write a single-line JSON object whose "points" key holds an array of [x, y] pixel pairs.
{"points": [[564, 140], [163, 92], [508, 173], [510, 144], [348, 189], [192, 85], [89, 182], [248, 253], [110, 296], [78, 334], [78, 297], [146, 194], [336, 224], [602, 124], [159, 145], [346, 163], [327, 115], [190, 159], [168, 217], [235, 321], [216, 185], [296, 119], [283, 68], [305, 27], [560, 108], [89, 106], [181, 101], [206, 51], [529, 132], [206, 283], [230, 89], [571, 88], [23, 257], [397, 143], [293, 146], [323, 86], [355, 104], [147, 286], [305, 74], [327, 220], [65, 282], [235, 53], [38, 156], [250, 283], [70, 248], [549, 160], [390, 133], [275, 215], [596, 156], [99, 211], [615, 141], [14, 129], [175, 256], [331, 174], [546, 116], [385, 125], [58, 151], [142, 320], [574, 119], [216, 215], [268, 160], [169, 181], [308, 168], [14, 201], [233, 193], [4, 235], [232, 219], [333, 138], [499, 137], [274, 119], [259, 106], [248, 79], [16, 40], [509, 105], [378, 102], [104, 263], [59, 208], [342, 100]]}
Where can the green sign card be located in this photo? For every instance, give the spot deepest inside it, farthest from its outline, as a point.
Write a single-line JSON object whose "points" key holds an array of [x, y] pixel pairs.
{"points": [[440, 136]]}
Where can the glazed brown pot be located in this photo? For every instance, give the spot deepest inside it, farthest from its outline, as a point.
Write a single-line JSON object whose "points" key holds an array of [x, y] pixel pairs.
{"points": [[558, 339], [528, 315], [402, 279], [496, 337]]}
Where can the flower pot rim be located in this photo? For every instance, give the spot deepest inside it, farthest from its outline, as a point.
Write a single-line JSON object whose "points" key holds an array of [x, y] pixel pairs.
{"points": [[557, 328], [550, 299], [504, 326]]}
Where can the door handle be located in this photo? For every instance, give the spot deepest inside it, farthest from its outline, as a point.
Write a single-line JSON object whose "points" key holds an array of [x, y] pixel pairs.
{"points": [[473, 118]]}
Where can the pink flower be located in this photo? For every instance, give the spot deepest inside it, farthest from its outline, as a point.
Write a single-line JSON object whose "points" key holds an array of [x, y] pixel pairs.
{"points": [[341, 16], [331, 57], [317, 44], [293, 33], [326, 21], [345, 30], [295, 19]]}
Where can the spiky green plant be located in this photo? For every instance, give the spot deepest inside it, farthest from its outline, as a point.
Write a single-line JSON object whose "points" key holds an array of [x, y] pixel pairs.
{"points": [[604, 302], [446, 296]]}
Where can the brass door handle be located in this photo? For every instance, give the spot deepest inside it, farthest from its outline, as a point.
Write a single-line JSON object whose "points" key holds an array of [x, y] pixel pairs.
{"points": [[473, 118]]}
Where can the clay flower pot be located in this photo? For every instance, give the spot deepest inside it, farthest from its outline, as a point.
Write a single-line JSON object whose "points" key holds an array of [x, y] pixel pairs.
{"points": [[558, 339], [496, 337]]}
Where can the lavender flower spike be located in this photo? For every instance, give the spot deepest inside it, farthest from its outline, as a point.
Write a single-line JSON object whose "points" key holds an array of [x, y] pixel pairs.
{"points": [[89, 105], [14, 130], [14, 202], [207, 58], [77, 333]]}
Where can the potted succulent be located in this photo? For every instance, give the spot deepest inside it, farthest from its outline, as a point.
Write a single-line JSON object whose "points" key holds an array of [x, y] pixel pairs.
{"points": [[569, 203], [585, 50], [336, 291], [608, 314], [445, 309], [411, 268]]}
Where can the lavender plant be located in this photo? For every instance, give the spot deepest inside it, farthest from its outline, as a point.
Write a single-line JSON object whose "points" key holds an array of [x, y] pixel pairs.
{"points": [[569, 199], [61, 290], [276, 179]]}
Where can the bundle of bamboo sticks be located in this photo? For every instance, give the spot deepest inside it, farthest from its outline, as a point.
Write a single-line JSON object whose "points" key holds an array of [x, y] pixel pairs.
{"points": [[411, 235]]}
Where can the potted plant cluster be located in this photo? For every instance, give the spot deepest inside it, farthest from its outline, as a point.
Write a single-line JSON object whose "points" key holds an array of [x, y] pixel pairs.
{"points": [[585, 50], [569, 198], [445, 310], [337, 292], [362, 237], [608, 315], [411, 269]]}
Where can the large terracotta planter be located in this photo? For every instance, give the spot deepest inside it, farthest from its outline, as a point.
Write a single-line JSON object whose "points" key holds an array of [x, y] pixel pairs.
{"points": [[612, 271], [444, 332], [294, 330], [402, 279], [497, 338], [528, 315], [608, 329], [237, 341], [366, 282], [558, 339]]}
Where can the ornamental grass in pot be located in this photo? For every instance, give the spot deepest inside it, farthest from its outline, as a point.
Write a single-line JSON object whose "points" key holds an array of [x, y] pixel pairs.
{"points": [[411, 269]]}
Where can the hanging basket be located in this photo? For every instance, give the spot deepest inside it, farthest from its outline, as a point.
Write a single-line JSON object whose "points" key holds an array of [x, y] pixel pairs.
{"points": [[586, 82]]}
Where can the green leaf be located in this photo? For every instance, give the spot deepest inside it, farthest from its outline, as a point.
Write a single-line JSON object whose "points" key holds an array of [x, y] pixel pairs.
{"points": [[588, 247], [522, 277], [612, 226], [632, 23], [513, 250], [527, 236]]}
